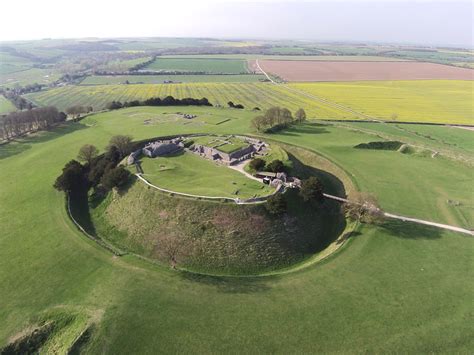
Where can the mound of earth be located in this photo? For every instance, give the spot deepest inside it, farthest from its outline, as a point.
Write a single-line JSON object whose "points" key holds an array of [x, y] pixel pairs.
{"points": [[214, 237]]}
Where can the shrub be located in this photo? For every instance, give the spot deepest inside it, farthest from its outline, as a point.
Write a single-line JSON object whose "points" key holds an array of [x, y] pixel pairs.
{"points": [[257, 164], [276, 166], [311, 190], [276, 204], [116, 177]]}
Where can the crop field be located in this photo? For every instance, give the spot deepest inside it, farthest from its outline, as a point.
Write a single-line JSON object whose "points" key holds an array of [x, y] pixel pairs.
{"points": [[6, 105], [438, 101], [358, 71], [189, 173], [344, 58], [212, 66], [160, 79], [123, 65], [415, 276], [251, 95]]}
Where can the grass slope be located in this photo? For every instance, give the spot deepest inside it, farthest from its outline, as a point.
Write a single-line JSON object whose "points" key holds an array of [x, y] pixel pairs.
{"points": [[402, 288], [6, 105]]}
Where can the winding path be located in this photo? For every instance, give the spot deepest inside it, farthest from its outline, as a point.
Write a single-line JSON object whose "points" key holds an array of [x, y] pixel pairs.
{"points": [[414, 220]]}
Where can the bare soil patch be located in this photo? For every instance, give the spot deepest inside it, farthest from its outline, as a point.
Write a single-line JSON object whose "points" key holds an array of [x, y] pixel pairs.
{"points": [[292, 70]]}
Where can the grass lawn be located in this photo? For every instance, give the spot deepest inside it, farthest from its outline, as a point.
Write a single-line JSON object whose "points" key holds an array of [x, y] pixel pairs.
{"points": [[217, 66], [398, 288], [189, 173]]}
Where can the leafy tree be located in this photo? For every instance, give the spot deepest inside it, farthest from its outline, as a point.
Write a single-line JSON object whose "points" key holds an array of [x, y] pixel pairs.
{"points": [[115, 177], [114, 105], [276, 166], [276, 204], [363, 207], [122, 143], [230, 104], [311, 189], [87, 153], [257, 164], [300, 115], [72, 177]]}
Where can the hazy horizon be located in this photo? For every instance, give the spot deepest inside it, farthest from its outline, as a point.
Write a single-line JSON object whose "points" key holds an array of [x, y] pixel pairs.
{"points": [[430, 23]]}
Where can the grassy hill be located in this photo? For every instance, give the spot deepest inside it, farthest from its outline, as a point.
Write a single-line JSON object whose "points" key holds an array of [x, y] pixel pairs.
{"points": [[398, 287]]}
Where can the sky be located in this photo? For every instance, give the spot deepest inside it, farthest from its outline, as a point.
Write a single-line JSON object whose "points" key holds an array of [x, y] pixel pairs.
{"points": [[386, 21]]}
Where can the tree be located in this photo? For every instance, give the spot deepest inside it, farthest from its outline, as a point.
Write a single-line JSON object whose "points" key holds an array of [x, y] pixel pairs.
{"points": [[276, 166], [364, 208], [114, 105], [115, 177], [87, 153], [71, 179], [300, 115], [122, 143], [77, 110], [276, 204], [257, 164], [230, 104], [311, 190]]}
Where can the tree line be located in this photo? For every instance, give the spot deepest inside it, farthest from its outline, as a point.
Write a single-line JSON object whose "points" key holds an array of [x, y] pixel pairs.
{"points": [[16, 124], [100, 172], [156, 101], [277, 118]]}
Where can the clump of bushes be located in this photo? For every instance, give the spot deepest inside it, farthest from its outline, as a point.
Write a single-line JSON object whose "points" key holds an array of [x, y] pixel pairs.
{"points": [[384, 145]]}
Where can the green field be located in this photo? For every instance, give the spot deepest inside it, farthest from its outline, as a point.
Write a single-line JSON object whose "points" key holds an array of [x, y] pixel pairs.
{"points": [[411, 101], [159, 79], [216, 66], [398, 288], [28, 76], [439, 101], [191, 174], [6, 105], [351, 58], [251, 95]]}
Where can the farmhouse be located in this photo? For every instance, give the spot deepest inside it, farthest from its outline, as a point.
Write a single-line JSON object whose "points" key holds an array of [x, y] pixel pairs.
{"points": [[163, 147]]}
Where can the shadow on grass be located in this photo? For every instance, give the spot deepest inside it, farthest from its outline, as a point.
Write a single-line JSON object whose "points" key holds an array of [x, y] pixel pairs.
{"points": [[332, 184], [410, 230], [80, 211], [22, 144], [242, 285]]}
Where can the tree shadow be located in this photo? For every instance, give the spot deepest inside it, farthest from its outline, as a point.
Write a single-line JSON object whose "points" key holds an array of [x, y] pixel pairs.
{"points": [[410, 230], [124, 189], [21, 144], [79, 207], [226, 284], [332, 184]]}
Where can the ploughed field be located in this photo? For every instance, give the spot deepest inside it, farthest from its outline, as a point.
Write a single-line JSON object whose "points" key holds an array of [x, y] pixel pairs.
{"points": [[357, 71], [189, 173], [415, 276], [439, 101]]}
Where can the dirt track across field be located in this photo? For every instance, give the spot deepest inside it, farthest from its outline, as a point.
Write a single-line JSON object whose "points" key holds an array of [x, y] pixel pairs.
{"points": [[300, 70]]}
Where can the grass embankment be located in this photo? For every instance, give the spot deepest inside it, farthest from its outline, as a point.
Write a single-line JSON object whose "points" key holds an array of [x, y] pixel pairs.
{"points": [[214, 237], [189, 173]]}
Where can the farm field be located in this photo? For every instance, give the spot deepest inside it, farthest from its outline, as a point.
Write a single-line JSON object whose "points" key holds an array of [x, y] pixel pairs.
{"points": [[28, 76], [344, 58], [437, 101], [358, 71], [159, 79], [414, 275], [212, 66], [251, 95], [410, 101], [6, 105], [191, 174]]}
